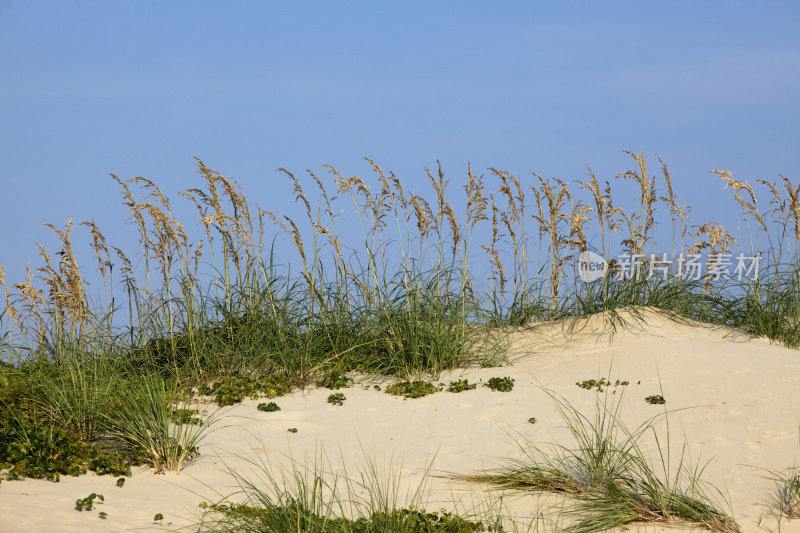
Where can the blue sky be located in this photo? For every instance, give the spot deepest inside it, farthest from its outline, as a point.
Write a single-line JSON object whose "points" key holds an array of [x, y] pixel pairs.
{"points": [[89, 88]]}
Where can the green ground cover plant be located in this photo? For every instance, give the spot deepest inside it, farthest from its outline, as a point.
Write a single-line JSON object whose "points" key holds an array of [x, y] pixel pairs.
{"points": [[411, 389], [598, 384], [87, 503], [31, 447], [337, 398], [401, 520], [461, 385], [655, 399], [335, 380], [233, 389], [505, 384], [268, 407], [33, 443]]}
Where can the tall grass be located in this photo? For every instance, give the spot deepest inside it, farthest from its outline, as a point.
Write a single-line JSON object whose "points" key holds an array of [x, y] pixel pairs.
{"points": [[381, 277], [76, 391], [387, 280]]}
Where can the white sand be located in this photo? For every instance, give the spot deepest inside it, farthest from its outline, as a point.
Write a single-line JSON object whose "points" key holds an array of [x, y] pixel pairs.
{"points": [[736, 400]]}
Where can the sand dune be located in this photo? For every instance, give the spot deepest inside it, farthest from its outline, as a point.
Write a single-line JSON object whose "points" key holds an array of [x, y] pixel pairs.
{"points": [[733, 402]]}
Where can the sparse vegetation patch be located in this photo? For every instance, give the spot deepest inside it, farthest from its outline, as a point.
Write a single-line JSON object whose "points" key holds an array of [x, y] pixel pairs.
{"points": [[598, 384], [461, 385], [411, 389], [233, 389], [337, 398], [87, 503], [335, 380], [655, 399], [268, 407], [505, 384], [397, 520]]}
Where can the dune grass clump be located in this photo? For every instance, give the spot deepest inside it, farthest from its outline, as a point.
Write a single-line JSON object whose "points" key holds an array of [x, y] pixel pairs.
{"points": [[313, 499], [48, 430], [610, 477], [144, 420], [270, 517], [785, 498]]}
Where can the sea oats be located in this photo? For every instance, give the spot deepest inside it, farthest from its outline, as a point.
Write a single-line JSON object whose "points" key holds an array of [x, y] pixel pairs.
{"points": [[642, 222], [9, 308], [550, 223], [793, 195]]}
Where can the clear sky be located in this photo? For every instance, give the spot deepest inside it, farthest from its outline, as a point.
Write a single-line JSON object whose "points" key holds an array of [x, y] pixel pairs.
{"points": [[94, 87]]}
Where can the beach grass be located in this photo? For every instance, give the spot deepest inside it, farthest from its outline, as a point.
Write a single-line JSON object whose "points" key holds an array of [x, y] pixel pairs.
{"points": [[323, 498], [145, 419], [784, 498], [786, 502], [612, 479], [373, 277]]}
